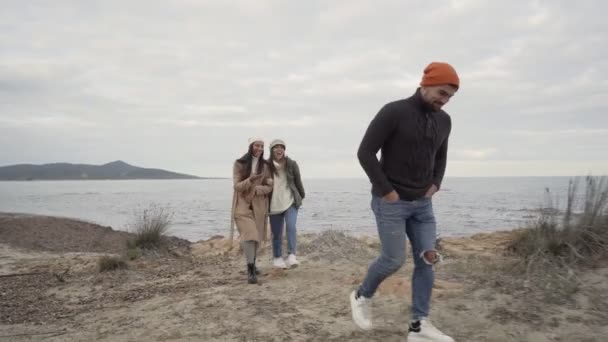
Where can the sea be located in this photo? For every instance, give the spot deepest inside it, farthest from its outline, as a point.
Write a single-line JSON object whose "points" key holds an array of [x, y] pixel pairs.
{"points": [[200, 209]]}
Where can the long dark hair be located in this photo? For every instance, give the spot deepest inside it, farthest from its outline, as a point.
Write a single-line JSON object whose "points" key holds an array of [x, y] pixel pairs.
{"points": [[247, 160]]}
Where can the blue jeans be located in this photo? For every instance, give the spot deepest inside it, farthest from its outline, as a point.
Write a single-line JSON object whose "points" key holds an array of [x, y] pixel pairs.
{"points": [[289, 217], [395, 221]]}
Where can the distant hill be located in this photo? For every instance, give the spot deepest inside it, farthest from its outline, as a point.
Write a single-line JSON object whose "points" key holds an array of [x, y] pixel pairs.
{"points": [[65, 171]]}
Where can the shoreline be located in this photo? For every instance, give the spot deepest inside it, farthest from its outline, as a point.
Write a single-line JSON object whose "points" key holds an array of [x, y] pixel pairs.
{"points": [[202, 209], [111, 180], [225, 232]]}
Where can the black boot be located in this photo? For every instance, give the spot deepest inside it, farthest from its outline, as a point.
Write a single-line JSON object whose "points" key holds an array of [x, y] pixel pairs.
{"points": [[257, 272], [251, 276]]}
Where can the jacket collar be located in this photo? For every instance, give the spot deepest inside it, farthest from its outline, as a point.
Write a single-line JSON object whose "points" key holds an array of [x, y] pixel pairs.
{"points": [[287, 161], [419, 102]]}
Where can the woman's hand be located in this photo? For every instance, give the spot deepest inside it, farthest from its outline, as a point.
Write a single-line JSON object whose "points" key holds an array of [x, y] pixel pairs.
{"points": [[255, 177]]}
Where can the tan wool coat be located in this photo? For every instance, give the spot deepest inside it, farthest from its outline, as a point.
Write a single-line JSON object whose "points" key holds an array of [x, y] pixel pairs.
{"points": [[250, 203]]}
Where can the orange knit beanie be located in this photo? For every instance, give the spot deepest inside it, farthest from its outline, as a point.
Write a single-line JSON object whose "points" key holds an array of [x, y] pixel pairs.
{"points": [[438, 73]]}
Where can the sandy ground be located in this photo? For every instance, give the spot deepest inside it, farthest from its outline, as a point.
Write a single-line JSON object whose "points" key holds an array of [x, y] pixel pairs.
{"points": [[200, 292]]}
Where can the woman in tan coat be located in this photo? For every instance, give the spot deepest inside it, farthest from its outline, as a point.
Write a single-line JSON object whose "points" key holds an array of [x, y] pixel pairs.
{"points": [[252, 185]]}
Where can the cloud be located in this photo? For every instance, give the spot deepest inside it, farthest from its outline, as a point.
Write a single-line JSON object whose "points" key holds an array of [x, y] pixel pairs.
{"points": [[48, 122], [140, 80], [477, 154], [256, 123]]}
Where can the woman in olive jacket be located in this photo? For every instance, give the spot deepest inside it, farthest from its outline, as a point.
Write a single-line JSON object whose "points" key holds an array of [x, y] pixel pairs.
{"points": [[285, 200]]}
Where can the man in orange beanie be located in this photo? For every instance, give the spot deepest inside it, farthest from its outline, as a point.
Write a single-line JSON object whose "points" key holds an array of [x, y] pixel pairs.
{"points": [[413, 137]]}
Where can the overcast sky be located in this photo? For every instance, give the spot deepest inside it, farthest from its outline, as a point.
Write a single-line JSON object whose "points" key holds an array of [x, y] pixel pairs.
{"points": [[181, 85]]}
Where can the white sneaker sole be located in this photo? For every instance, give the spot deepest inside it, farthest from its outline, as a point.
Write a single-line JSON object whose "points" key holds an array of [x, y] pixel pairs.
{"points": [[353, 305], [283, 266], [416, 338]]}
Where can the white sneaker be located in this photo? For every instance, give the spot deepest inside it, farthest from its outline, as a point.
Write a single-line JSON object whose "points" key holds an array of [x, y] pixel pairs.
{"points": [[292, 261], [426, 332], [278, 263], [361, 310]]}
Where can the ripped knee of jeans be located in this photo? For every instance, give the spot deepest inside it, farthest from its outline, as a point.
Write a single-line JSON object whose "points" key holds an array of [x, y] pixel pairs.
{"points": [[431, 257]]}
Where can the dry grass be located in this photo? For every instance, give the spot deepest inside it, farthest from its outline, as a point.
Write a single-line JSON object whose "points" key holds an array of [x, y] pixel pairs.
{"points": [[150, 229], [548, 253], [111, 263], [134, 252], [573, 238]]}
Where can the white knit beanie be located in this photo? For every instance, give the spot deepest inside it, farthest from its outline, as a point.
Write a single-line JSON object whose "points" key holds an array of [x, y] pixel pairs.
{"points": [[277, 142], [254, 139]]}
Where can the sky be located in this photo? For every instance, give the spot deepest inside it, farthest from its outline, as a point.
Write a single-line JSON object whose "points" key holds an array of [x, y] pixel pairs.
{"points": [[181, 85]]}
